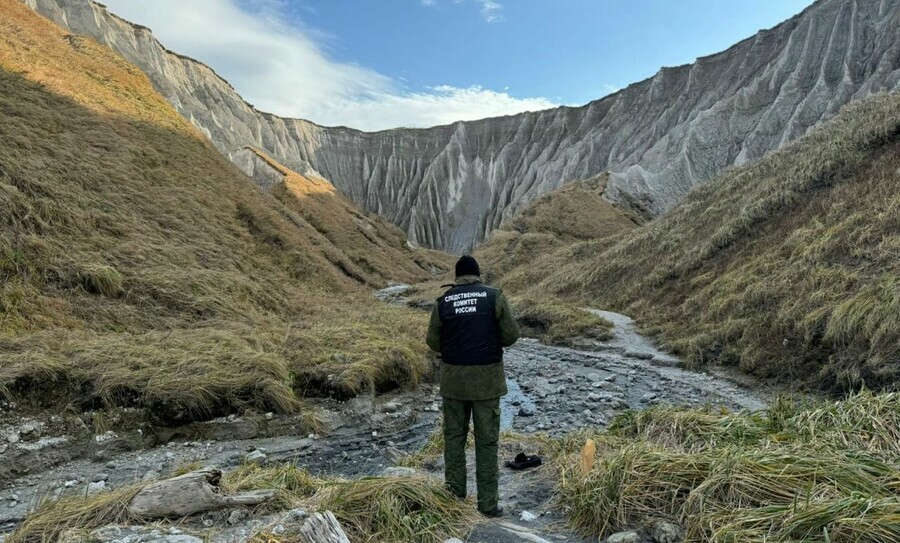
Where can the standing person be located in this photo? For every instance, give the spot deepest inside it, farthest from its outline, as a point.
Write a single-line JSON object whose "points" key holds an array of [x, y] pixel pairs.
{"points": [[470, 325]]}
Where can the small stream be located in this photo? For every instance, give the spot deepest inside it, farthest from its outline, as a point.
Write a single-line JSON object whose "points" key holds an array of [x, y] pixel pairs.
{"points": [[515, 402]]}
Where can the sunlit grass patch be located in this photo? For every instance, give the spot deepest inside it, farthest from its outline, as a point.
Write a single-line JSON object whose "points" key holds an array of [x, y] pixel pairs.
{"points": [[53, 518], [413, 509], [392, 509], [801, 471]]}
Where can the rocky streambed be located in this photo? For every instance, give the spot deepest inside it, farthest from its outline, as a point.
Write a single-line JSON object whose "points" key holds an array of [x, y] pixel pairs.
{"points": [[553, 390]]}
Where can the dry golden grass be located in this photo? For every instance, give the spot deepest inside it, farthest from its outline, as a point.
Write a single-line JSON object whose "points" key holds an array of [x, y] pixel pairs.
{"points": [[821, 472], [366, 246], [558, 322], [138, 267], [54, 518], [787, 268], [373, 509], [575, 212]]}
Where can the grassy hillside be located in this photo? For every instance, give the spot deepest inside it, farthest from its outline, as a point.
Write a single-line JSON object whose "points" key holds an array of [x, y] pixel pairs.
{"points": [[139, 267], [365, 246], [789, 267], [575, 212]]}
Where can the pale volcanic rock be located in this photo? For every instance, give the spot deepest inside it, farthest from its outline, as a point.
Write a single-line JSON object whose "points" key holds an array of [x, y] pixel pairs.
{"points": [[449, 186]]}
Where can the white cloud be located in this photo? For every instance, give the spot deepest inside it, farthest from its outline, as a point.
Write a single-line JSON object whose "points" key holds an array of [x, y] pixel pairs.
{"points": [[285, 70], [490, 10], [440, 105]]}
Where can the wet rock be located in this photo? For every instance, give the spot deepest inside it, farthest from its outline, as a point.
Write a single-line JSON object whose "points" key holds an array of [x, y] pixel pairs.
{"points": [[640, 355], [295, 516], [104, 437], [256, 456], [624, 537], [211, 518], [665, 532], [100, 477], [398, 471], [96, 487], [526, 411], [30, 429], [238, 516], [394, 454], [130, 534]]}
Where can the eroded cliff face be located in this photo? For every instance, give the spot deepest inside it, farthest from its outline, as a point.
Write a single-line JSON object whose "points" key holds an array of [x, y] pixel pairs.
{"points": [[449, 186]]}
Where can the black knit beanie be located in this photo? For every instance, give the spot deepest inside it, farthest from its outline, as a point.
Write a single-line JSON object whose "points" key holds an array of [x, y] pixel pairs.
{"points": [[467, 266]]}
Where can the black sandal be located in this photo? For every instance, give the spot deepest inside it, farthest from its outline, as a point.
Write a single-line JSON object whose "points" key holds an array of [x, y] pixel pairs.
{"points": [[524, 461]]}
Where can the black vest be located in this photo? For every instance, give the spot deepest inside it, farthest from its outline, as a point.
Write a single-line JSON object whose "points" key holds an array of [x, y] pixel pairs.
{"points": [[470, 334]]}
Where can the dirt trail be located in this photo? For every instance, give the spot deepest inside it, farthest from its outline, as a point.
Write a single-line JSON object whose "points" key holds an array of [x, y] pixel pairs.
{"points": [[553, 390]]}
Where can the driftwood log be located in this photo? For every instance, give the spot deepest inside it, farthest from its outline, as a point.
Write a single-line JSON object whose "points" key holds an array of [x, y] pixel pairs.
{"points": [[188, 494], [323, 528]]}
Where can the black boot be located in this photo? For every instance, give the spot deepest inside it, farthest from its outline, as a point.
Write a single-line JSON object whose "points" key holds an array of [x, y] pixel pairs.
{"points": [[496, 513]]}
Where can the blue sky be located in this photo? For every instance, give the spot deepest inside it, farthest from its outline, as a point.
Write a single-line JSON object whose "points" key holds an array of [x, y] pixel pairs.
{"points": [[375, 64]]}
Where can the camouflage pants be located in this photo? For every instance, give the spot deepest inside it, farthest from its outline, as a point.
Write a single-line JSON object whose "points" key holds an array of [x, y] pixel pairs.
{"points": [[486, 417]]}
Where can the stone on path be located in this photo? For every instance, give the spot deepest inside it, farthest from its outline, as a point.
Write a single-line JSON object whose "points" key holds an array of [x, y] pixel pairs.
{"points": [[624, 537]]}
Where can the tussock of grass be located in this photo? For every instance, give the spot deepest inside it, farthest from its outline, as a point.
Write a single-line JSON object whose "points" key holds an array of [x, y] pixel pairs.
{"points": [[407, 510], [373, 509], [515, 256], [398, 510], [792, 473], [179, 375], [293, 485], [53, 518], [865, 421], [139, 268], [431, 449], [103, 280], [373, 350], [559, 322]]}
